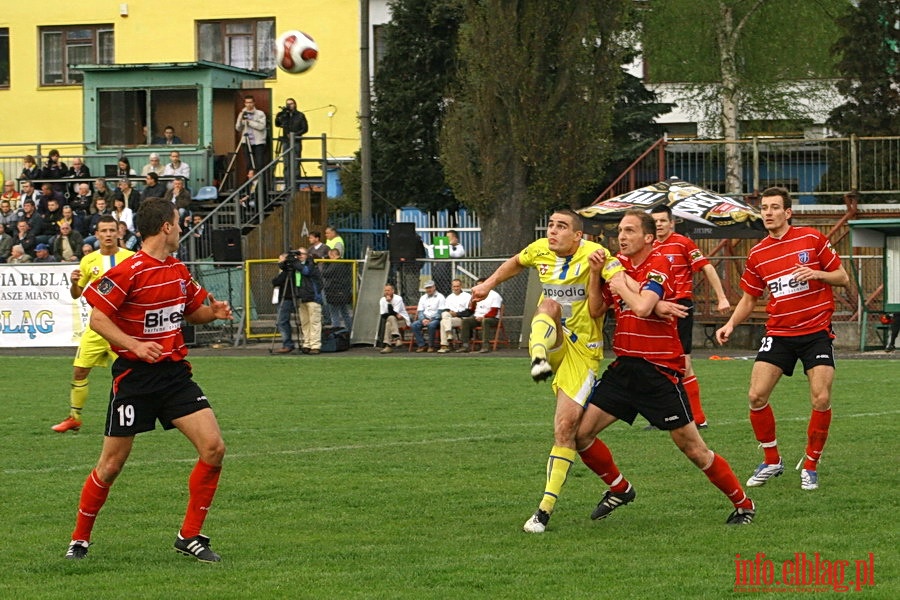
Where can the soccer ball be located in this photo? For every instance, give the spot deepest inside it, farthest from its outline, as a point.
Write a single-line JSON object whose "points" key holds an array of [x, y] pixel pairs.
{"points": [[295, 52]]}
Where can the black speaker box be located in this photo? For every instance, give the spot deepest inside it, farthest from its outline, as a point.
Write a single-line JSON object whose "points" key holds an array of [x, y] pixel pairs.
{"points": [[403, 243], [190, 335], [226, 244]]}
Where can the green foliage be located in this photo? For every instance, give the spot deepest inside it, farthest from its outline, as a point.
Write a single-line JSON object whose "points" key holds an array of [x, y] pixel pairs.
{"points": [[869, 66], [408, 104], [782, 42], [412, 478], [528, 124]]}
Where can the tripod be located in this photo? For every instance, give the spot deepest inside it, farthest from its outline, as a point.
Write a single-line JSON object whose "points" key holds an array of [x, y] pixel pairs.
{"points": [[245, 141], [288, 296]]}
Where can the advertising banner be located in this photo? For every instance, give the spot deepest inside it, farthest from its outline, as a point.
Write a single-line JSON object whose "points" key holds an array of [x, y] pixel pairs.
{"points": [[36, 310]]}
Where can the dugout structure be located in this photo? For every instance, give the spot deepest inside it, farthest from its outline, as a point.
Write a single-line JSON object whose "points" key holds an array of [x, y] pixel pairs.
{"points": [[884, 234]]}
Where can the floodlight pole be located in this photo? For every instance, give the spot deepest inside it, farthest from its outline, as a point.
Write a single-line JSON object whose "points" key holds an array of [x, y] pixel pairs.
{"points": [[365, 124]]}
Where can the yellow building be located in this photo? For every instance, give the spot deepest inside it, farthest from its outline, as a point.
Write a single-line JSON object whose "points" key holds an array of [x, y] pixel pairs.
{"points": [[43, 97]]}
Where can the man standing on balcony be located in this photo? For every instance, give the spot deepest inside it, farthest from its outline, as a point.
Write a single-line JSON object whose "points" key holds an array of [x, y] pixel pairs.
{"points": [[686, 259], [251, 123], [798, 266]]}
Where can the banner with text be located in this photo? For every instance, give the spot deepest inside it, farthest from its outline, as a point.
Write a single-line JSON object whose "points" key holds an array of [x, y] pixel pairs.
{"points": [[36, 309]]}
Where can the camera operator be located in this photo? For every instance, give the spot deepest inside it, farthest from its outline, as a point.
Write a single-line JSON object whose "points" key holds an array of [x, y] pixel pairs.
{"points": [[293, 124], [251, 122], [300, 285]]}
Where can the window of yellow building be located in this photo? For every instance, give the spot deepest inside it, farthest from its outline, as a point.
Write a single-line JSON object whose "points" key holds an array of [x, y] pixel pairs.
{"points": [[243, 43], [137, 117], [4, 57], [63, 47]]}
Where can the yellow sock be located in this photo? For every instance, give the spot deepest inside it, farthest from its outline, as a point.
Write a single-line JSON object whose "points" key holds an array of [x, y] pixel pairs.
{"points": [[543, 335], [561, 459], [77, 397]]}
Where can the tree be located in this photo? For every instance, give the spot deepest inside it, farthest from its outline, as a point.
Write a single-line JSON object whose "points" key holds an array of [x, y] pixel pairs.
{"points": [[740, 60], [528, 123], [408, 104], [868, 54]]}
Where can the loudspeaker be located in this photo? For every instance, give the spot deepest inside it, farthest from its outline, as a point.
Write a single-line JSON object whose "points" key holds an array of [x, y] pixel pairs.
{"points": [[403, 243], [189, 334], [226, 245]]}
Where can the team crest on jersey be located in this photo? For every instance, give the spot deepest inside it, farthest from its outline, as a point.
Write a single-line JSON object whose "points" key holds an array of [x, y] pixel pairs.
{"points": [[183, 286], [105, 286], [803, 257], [543, 269], [95, 270]]}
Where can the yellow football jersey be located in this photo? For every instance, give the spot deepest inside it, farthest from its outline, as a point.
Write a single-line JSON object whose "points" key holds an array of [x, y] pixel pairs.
{"points": [[565, 279], [94, 265]]}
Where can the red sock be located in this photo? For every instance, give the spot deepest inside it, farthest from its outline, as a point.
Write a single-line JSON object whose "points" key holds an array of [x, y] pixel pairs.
{"points": [[720, 474], [816, 435], [93, 496], [692, 387], [202, 486], [599, 459], [763, 422]]}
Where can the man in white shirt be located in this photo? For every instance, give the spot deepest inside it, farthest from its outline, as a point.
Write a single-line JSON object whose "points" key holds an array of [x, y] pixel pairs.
{"points": [[176, 168], [486, 316], [251, 122], [428, 316], [392, 310], [457, 307]]}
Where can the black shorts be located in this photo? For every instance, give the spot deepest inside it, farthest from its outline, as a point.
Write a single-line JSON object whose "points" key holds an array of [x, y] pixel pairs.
{"points": [[686, 325], [142, 393], [632, 386], [812, 350]]}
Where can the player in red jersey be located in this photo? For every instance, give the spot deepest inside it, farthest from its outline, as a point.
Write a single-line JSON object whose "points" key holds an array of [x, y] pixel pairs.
{"points": [[645, 378], [139, 306], [687, 259], [798, 267]]}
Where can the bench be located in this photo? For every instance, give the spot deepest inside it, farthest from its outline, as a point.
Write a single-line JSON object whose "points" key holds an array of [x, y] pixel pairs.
{"points": [[756, 319]]}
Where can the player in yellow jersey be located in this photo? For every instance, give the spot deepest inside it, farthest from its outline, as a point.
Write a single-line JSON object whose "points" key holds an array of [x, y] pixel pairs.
{"points": [[566, 333], [93, 350]]}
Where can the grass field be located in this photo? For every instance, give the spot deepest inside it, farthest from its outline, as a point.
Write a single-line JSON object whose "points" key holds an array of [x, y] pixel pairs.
{"points": [[363, 477]]}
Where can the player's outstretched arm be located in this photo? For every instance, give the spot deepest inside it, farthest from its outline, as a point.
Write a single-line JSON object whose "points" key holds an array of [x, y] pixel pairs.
{"points": [[510, 268]]}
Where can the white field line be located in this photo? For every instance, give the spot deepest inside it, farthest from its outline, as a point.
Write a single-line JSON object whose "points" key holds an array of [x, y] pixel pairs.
{"points": [[387, 444]]}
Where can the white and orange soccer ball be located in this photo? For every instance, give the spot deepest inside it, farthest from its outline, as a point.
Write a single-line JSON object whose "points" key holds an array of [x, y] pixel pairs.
{"points": [[295, 52]]}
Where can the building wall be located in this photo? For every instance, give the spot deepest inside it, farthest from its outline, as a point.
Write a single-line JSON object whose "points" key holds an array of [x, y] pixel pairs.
{"points": [[152, 33]]}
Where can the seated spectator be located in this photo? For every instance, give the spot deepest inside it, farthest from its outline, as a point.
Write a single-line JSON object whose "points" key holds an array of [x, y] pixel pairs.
{"points": [[8, 218], [67, 246], [55, 168], [129, 195], [179, 196], [42, 254], [82, 200], [78, 170], [392, 309], [128, 239], [18, 256], [122, 213], [30, 169], [101, 190], [154, 166], [176, 168], [457, 308], [75, 221], [6, 244], [485, 315], [168, 137], [28, 212], [152, 187], [86, 249], [10, 194], [428, 316], [29, 192], [51, 218], [102, 211], [123, 168], [49, 192], [24, 238]]}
